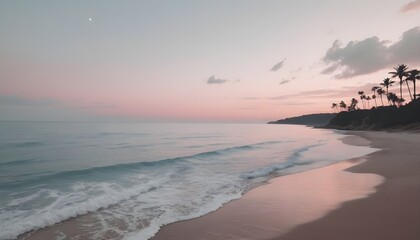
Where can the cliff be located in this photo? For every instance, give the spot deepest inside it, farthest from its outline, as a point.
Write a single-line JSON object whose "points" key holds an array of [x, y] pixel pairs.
{"points": [[313, 120], [406, 117]]}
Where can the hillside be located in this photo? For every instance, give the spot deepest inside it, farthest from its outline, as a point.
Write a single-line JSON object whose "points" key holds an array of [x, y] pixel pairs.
{"points": [[313, 120], [406, 117]]}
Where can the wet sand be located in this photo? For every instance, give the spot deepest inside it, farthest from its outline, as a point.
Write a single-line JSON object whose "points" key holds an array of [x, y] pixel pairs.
{"points": [[393, 212], [279, 206]]}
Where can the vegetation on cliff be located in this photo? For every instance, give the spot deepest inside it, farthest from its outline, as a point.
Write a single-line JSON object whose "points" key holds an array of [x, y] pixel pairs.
{"points": [[390, 114]]}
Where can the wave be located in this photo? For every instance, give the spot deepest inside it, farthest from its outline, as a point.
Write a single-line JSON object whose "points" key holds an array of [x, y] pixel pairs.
{"points": [[291, 161], [64, 207], [116, 169]]}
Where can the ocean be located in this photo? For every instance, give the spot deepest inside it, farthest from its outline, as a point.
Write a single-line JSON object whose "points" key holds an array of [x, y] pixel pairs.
{"points": [[126, 180]]}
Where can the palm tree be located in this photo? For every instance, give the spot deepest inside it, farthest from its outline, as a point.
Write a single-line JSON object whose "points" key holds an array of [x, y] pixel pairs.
{"points": [[362, 96], [374, 89], [381, 92], [374, 98], [334, 106], [368, 101], [400, 72], [343, 105], [393, 98], [413, 75], [353, 104], [387, 83]]}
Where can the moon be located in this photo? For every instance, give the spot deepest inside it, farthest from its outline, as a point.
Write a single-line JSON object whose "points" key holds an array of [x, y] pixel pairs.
{"points": [[90, 19]]}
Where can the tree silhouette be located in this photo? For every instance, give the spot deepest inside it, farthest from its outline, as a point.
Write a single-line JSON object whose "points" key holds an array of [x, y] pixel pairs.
{"points": [[400, 72], [334, 106], [381, 92], [362, 96], [374, 89], [343, 105], [393, 98], [413, 75], [374, 98], [353, 104], [387, 83], [368, 101]]}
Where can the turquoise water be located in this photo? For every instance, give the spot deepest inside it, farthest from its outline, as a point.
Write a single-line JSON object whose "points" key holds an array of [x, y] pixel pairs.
{"points": [[145, 175]]}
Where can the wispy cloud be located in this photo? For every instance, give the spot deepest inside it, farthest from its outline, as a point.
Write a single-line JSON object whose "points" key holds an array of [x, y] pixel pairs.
{"points": [[413, 5], [371, 55], [342, 93], [214, 80], [278, 66], [284, 81]]}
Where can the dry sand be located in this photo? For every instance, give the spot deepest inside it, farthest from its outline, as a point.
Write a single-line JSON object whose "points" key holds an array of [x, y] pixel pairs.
{"points": [[393, 212]]}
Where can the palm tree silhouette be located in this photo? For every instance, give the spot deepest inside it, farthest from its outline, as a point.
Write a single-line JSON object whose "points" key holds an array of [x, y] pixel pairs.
{"points": [[374, 89], [334, 106], [353, 104], [374, 98], [393, 98], [387, 83], [381, 92], [413, 75], [362, 96], [400, 72], [343, 105], [368, 101]]}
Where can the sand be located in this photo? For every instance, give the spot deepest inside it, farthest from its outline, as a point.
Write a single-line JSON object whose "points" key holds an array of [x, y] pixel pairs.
{"points": [[327, 203], [393, 212]]}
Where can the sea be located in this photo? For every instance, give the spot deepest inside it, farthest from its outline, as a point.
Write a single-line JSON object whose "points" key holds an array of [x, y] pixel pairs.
{"points": [[127, 180]]}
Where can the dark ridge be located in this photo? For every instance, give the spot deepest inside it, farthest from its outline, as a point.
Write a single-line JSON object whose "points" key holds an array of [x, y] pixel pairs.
{"points": [[390, 118], [312, 120]]}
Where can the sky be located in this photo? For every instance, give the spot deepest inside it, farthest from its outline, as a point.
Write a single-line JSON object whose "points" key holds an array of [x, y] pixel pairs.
{"points": [[197, 61]]}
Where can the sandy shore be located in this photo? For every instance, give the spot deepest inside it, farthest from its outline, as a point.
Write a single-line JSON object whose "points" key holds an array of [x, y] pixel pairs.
{"points": [[326, 203], [393, 212], [284, 203]]}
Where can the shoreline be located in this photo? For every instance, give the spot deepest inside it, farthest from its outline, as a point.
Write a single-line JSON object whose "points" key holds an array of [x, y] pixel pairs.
{"points": [[275, 208], [392, 212], [280, 210]]}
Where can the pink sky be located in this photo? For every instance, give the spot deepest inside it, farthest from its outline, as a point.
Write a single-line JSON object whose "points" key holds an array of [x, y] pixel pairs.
{"points": [[197, 61]]}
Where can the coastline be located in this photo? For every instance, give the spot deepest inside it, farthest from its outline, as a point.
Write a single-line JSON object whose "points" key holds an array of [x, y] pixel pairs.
{"points": [[283, 204], [392, 212], [315, 204]]}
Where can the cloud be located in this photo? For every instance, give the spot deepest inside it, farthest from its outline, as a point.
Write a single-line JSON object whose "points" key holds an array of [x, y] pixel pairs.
{"points": [[371, 55], [284, 81], [341, 93], [278, 66], [413, 5], [214, 80]]}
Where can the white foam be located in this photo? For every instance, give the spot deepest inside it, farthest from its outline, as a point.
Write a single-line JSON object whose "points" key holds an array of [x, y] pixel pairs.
{"points": [[67, 205]]}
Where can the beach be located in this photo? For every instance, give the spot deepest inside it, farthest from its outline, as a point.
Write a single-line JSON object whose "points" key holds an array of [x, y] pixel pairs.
{"points": [[375, 199], [393, 212]]}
